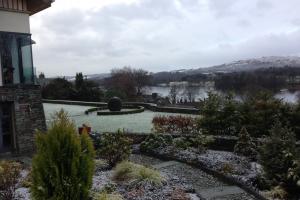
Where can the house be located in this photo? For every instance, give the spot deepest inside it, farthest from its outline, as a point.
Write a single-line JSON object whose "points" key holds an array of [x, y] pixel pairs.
{"points": [[21, 109]]}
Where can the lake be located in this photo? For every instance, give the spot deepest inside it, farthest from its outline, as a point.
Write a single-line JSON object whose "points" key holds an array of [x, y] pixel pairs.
{"points": [[285, 95], [140, 122]]}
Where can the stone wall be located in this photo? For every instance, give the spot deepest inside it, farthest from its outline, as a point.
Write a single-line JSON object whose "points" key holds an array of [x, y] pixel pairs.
{"points": [[28, 115]]}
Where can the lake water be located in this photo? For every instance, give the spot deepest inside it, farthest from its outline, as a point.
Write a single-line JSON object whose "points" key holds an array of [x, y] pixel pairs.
{"points": [[285, 95], [140, 122]]}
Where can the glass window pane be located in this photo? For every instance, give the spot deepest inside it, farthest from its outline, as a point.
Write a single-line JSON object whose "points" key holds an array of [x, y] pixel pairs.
{"points": [[27, 64]]}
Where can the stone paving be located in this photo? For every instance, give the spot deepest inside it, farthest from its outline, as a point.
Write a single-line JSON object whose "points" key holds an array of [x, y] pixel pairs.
{"points": [[205, 185]]}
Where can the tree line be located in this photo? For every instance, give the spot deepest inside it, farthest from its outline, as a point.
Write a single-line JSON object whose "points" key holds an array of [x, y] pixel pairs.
{"points": [[272, 79], [126, 83]]}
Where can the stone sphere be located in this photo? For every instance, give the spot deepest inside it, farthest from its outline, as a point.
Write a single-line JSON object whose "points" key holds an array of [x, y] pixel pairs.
{"points": [[114, 104]]}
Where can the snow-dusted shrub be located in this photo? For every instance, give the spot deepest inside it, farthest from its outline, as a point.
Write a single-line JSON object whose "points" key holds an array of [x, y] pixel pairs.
{"points": [[114, 147], [154, 141], [10, 173]]}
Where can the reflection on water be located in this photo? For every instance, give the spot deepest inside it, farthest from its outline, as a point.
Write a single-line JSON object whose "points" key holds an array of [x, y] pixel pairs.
{"points": [[140, 122], [285, 95]]}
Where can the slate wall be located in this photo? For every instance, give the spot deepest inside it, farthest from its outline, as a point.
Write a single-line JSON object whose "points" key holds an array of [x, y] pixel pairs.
{"points": [[28, 115]]}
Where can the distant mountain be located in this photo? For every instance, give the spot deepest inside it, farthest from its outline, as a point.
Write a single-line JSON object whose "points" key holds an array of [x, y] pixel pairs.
{"points": [[236, 66], [250, 64]]}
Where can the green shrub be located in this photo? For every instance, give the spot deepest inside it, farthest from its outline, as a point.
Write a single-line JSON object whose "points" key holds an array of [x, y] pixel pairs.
{"points": [[128, 171], [114, 147], [245, 146], [63, 167], [154, 141], [201, 142], [10, 172], [280, 159]]}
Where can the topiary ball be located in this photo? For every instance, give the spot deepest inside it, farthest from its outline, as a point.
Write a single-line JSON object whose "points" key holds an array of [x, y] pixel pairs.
{"points": [[114, 104]]}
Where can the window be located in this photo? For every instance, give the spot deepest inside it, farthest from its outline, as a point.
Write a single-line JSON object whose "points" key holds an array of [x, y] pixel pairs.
{"points": [[16, 59]]}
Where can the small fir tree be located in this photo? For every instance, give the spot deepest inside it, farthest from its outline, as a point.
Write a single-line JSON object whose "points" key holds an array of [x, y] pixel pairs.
{"points": [[63, 167], [245, 146]]}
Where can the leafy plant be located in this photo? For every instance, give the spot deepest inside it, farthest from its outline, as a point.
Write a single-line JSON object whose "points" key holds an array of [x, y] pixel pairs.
{"points": [[154, 141], [114, 147], [245, 146], [10, 172], [128, 171], [63, 167]]}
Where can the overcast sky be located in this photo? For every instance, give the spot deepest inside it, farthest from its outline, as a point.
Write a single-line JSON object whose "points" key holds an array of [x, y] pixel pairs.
{"points": [[94, 36]]}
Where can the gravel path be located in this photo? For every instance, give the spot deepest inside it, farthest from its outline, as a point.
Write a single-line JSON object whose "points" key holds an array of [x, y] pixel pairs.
{"points": [[205, 185]]}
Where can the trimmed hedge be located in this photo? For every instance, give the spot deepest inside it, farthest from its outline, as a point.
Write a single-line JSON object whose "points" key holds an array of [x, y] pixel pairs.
{"points": [[139, 109]]}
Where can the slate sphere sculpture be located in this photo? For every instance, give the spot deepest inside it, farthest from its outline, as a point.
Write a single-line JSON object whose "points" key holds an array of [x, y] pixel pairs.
{"points": [[114, 104]]}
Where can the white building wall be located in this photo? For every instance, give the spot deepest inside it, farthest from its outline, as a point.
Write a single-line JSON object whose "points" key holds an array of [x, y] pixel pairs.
{"points": [[14, 22]]}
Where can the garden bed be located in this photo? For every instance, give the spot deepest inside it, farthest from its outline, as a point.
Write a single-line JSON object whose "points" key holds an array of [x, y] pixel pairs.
{"points": [[225, 165]]}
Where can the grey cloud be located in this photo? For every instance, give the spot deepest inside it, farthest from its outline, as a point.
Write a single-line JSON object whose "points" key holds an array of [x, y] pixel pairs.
{"points": [[222, 8], [264, 4], [156, 34]]}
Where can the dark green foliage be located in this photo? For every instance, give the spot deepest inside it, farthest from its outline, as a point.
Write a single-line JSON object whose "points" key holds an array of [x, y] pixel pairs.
{"points": [[63, 167], [59, 89], [272, 79], [223, 115], [280, 159], [82, 90], [114, 104], [294, 119], [154, 141], [114, 147], [245, 146], [79, 82]]}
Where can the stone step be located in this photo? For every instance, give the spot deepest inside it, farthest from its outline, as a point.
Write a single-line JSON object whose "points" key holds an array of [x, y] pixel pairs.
{"points": [[220, 192]]}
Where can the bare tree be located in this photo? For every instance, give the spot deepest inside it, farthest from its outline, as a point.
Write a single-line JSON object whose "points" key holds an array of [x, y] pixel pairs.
{"points": [[128, 81], [173, 93], [142, 79], [191, 92]]}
